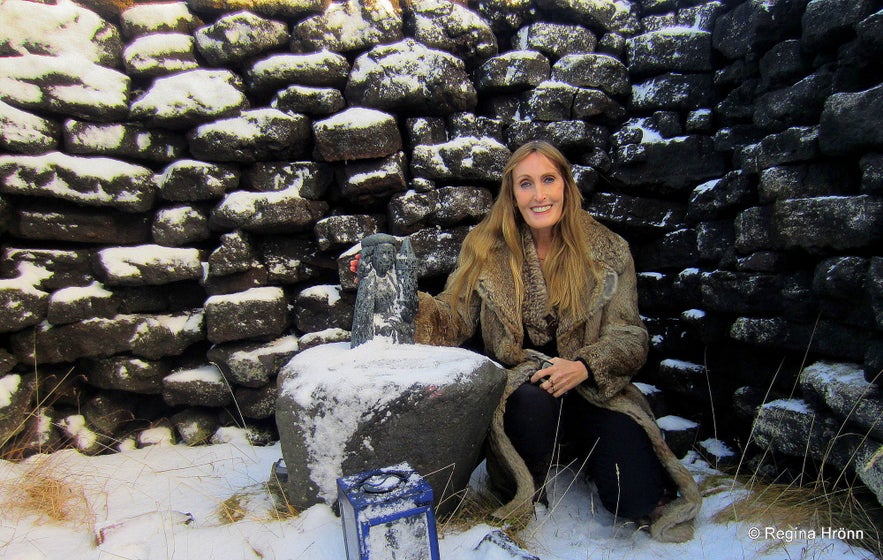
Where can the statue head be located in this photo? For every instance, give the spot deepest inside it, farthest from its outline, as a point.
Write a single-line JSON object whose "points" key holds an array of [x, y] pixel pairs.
{"points": [[380, 251]]}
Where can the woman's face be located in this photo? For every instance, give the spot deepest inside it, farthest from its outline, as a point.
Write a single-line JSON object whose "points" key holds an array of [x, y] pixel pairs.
{"points": [[539, 191]]}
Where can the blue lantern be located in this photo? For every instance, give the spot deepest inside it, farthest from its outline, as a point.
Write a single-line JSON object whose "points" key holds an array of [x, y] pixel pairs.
{"points": [[387, 514]]}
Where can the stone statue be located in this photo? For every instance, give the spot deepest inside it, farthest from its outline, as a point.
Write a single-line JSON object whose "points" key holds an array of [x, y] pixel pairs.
{"points": [[386, 301]]}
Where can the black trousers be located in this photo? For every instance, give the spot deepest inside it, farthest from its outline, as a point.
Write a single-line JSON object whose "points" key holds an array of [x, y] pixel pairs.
{"points": [[618, 453]]}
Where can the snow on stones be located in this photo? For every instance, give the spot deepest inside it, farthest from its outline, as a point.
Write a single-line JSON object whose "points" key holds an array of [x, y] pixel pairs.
{"points": [[410, 78], [323, 307], [365, 180], [235, 38], [257, 312], [189, 98], [451, 27], [66, 28], [199, 386], [286, 9], [512, 71], [593, 70], [348, 26], [314, 101], [24, 132], [125, 373], [253, 364], [357, 133], [267, 212], [259, 134], [322, 69], [22, 303], [77, 303], [188, 180], [161, 17], [555, 40], [159, 54], [344, 230], [89, 181], [67, 85], [466, 158], [671, 49], [156, 336], [181, 225], [147, 265], [842, 387], [123, 141]]}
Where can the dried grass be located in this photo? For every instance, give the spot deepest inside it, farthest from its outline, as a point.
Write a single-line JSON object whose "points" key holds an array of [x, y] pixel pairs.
{"points": [[42, 492]]}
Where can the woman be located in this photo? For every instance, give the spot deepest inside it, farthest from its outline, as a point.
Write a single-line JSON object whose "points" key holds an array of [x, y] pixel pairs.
{"points": [[539, 277]]}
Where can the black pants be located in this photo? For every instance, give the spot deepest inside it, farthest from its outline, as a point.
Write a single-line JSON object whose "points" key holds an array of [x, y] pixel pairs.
{"points": [[629, 477]]}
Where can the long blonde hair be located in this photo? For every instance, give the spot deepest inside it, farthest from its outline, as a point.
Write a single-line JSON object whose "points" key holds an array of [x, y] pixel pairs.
{"points": [[569, 268]]}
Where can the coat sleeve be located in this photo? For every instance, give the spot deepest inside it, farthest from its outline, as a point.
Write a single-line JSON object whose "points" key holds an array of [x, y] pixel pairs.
{"points": [[622, 345], [439, 324]]}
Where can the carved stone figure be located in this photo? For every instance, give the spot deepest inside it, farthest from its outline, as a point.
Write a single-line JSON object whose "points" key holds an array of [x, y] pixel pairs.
{"points": [[386, 301]]}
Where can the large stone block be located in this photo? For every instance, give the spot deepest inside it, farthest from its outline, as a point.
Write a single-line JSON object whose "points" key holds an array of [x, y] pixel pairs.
{"points": [[843, 389], [343, 410], [347, 26], [160, 54], [672, 49], [357, 133], [451, 27], [849, 122], [836, 222], [102, 182], [235, 38], [189, 98], [256, 135], [409, 77], [258, 312]]}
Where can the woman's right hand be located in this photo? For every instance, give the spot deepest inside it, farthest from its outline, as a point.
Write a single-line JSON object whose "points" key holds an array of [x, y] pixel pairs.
{"points": [[354, 266]]}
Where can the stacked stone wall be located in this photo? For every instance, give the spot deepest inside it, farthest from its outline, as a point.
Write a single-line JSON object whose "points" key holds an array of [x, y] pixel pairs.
{"points": [[182, 185]]}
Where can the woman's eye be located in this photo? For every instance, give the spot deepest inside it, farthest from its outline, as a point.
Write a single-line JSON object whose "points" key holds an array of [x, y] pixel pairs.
{"points": [[549, 179], [524, 184]]}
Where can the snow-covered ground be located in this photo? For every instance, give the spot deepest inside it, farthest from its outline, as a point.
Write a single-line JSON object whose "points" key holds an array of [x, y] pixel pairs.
{"points": [[212, 502]]}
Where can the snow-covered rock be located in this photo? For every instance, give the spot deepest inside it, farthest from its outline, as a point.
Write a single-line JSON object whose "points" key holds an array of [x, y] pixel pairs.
{"points": [[67, 85], [277, 71], [192, 180], [253, 364], [348, 26], [410, 78], [451, 27], [159, 17], [76, 303], [26, 133], [125, 373], [90, 181], [58, 29], [235, 38], [467, 158], [512, 71], [343, 230], [258, 134], [357, 133], [199, 386], [555, 40], [148, 265], [180, 225], [189, 98], [313, 101], [123, 141], [322, 307], [254, 313], [159, 54], [267, 212], [365, 180], [343, 411], [842, 387]]}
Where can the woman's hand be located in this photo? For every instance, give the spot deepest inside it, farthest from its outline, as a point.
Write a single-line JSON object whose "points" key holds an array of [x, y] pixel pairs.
{"points": [[562, 376]]}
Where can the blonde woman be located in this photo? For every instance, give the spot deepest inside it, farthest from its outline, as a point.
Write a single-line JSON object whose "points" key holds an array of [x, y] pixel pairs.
{"points": [[552, 293]]}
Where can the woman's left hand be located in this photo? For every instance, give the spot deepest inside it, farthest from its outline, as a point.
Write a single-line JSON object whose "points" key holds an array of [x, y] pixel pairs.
{"points": [[562, 376]]}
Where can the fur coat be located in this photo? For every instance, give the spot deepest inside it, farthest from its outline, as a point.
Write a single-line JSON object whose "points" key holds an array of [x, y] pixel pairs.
{"points": [[611, 338]]}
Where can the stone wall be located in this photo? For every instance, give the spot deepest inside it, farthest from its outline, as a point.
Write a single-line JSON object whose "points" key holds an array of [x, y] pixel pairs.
{"points": [[182, 184]]}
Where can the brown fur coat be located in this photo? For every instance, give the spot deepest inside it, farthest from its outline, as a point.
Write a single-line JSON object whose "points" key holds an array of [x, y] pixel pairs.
{"points": [[611, 338]]}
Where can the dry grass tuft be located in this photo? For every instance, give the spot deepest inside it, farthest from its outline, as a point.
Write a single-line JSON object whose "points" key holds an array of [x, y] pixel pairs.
{"points": [[810, 507], [48, 496]]}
